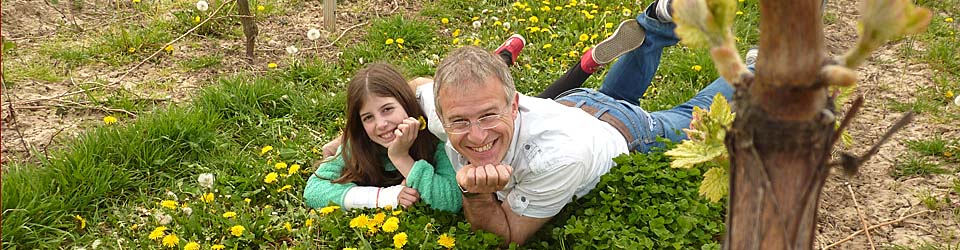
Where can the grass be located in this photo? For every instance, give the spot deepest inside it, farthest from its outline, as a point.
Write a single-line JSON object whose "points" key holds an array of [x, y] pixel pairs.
{"points": [[109, 172], [914, 167]]}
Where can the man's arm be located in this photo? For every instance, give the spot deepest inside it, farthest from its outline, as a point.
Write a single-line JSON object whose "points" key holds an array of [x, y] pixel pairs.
{"points": [[485, 212], [416, 82]]}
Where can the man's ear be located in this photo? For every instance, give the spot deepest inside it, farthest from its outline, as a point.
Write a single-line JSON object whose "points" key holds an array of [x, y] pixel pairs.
{"points": [[515, 107]]}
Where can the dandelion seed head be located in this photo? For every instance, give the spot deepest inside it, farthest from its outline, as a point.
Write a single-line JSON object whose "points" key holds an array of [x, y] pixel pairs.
{"points": [[292, 50], [202, 5], [205, 180]]}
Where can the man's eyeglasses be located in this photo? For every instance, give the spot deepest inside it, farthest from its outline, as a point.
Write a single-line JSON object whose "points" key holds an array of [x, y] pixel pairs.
{"points": [[462, 127]]}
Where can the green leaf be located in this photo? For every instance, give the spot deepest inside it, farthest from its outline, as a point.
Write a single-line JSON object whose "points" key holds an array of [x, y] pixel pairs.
{"points": [[715, 184], [690, 153]]}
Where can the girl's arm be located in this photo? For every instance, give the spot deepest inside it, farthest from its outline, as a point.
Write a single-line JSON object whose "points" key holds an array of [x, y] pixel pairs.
{"points": [[437, 184], [320, 189]]}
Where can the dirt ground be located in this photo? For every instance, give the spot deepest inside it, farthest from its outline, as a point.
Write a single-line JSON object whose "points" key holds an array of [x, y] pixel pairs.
{"points": [[876, 196]]}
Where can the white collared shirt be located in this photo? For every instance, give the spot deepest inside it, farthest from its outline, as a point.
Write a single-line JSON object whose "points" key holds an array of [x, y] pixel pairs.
{"points": [[557, 153]]}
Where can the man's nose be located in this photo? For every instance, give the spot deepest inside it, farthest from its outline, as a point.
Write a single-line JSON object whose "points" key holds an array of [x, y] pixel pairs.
{"points": [[476, 134]]}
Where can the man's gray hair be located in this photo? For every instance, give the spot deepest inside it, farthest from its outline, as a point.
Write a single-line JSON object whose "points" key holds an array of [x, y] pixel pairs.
{"points": [[471, 66]]}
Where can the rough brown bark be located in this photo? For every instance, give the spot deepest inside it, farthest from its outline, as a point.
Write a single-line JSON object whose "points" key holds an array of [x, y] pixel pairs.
{"points": [[249, 27], [780, 139]]}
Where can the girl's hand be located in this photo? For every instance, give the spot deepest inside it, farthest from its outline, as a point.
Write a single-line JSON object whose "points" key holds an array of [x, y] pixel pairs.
{"points": [[330, 148], [406, 134]]}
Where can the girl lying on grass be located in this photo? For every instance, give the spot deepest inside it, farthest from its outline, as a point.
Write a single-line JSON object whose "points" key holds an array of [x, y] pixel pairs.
{"points": [[387, 158]]}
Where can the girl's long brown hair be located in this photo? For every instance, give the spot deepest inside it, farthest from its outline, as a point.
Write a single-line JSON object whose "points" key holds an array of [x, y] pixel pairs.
{"points": [[364, 159]]}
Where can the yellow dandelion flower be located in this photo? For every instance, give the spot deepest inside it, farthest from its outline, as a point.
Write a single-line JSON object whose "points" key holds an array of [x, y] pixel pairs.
{"points": [[456, 32], [131, 50], [270, 178], [261, 8], [949, 19], [573, 53], [399, 40], [388, 41], [136, 1], [109, 120], [476, 42], [444, 20], [547, 46], [280, 165], [237, 230], [349, 248], [81, 220], [359, 221], [397, 212], [295, 168], [584, 37], [272, 65], [554, 36], [217, 247], [328, 210], [627, 12], [247, 200], [558, 8], [284, 188], [191, 246], [608, 25], [399, 240], [171, 240], [286, 225], [456, 41], [739, 12], [594, 36], [208, 197], [446, 241], [545, 8], [534, 19], [229, 215], [265, 149], [696, 68], [378, 219], [157, 233], [196, 19], [309, 223], [168, 48], [169, 204], [740, 1], [391, 225], [949, 94]]}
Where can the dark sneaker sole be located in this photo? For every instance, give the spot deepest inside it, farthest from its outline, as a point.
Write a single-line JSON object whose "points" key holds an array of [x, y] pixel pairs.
{"points": [[627, 37]]}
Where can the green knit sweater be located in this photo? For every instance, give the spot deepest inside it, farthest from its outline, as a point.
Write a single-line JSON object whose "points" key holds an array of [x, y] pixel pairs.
{"points": [[437, 185]]}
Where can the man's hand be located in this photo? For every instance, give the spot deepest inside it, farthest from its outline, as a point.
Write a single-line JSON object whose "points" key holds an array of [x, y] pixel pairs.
{"points": [[484, 179], [330, 148], [408, 196], [406, 133]]}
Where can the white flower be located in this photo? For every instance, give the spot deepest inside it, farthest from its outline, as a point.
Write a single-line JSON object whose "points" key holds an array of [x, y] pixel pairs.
{"points": [[202, 5], [187, 211], [206, 180], [172, 195], [162, 218], [430, 62], [956, 101], [96, 244], [477, 24], [313, 34], [292, 50], [506, 25]]}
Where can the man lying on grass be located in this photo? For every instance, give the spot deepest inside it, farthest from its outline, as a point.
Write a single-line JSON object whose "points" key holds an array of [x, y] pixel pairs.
{"points": [[521, 159]]}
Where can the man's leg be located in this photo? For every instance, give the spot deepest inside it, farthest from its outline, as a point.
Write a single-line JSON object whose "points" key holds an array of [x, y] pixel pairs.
{"points": [[630, 76], [627, 37], [679, 117]]}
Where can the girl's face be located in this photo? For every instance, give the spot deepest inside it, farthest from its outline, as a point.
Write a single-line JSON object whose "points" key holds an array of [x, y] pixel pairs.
{"points": [[380, 117]]}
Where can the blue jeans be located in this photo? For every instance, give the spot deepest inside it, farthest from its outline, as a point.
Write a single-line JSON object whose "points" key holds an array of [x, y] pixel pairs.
{"points": [[630, 77]]}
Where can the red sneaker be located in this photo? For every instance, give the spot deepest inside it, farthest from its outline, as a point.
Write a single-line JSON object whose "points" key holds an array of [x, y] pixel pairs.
{"points": [[513, 45]]}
